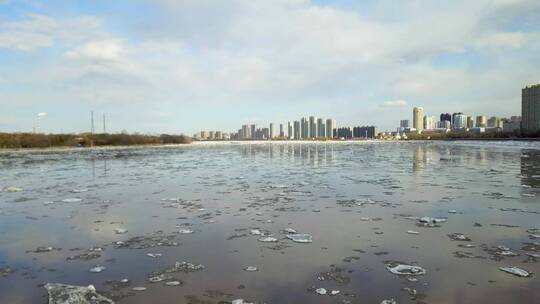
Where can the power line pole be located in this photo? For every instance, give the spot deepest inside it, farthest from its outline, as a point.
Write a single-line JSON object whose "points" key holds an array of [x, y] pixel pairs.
{"points": [[104, 128], [92, 122]]}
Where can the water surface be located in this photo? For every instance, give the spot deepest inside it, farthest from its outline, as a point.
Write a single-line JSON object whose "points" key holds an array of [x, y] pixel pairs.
{"points": [[357, 200]]}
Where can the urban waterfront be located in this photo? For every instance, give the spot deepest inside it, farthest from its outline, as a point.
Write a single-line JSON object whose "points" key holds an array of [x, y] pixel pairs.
{"points": [[274, 222]]}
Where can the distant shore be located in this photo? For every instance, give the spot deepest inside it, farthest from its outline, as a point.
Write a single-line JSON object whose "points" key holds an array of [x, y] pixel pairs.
{"points": [[85, 140]]}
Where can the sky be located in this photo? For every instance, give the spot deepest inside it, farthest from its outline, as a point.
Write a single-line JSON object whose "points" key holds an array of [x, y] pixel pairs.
{"points": [[181, 66]]}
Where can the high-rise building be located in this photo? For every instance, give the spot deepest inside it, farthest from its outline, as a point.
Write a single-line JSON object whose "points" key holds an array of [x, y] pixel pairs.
{"points": [[429, 122], [470, 122], [481, 121], [404, 124], [297, 130], [281, 131], [459, 121], [364, 132], [446, 117], [272, 131], [444, 124], [321, 128], [312, 127], [495, 122], [290, 130], [330, 127], [253, 131], [246, 132], [304, 128], [418, 116], [530, 108]]}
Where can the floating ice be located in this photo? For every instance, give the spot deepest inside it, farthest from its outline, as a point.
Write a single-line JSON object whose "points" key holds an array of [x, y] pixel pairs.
{"points": [[268, 239], [71, 200], [256, 232], [69, 294], [79, 190], [138, 288], [391, 301], [173, 283], [516, 271], [120, 230], [300, 238], [431, 220], [154, 255], [412, 232], [251, 268], [289, 230], [404, 269], [459, 237], [185, 231], [97, 269], [334, 292], [157, 278], [240, 301], [321, 291], [12, 189]]}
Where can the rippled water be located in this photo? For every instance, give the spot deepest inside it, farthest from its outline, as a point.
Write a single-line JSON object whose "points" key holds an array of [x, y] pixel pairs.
{"points": [[357, 200]]}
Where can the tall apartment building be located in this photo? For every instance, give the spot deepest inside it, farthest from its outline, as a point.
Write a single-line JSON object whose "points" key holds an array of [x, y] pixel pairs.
{"points": [[290, 130], [272, 131], [418, 118], [281, 131], [481, 121], [297, 130], [459, 121], [253, 131], [404, 123], [330, 128], [530, 108], [312, 127], [321, 128]]}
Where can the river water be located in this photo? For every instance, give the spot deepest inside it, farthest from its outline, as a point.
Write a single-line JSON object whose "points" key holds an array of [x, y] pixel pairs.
{"points": [[64, 212]]}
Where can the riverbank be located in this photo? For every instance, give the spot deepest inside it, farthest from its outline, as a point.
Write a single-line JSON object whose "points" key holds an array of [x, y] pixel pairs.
{"points": [[41, 141]]}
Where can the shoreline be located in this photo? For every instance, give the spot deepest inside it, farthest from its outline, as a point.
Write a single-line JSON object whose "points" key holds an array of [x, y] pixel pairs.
{"points": [[258, 142]]}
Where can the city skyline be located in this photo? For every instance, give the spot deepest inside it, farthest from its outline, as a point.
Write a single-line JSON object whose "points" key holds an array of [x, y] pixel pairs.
{"points": [[155, 66]]}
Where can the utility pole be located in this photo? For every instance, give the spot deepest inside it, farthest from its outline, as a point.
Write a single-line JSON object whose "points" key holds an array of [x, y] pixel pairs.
{"points": [[104, 125], [92, 122]]}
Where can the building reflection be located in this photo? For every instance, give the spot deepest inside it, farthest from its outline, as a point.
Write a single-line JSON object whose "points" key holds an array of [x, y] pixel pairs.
{"points": [[530, 169], [313, 154]]}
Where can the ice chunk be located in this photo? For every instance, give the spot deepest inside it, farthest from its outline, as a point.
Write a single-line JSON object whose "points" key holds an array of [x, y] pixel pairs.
{"points": [[321, 291], [185, 231], [268, 239], [516, 271], [289, 230], [391, 301], [69, 294], [138, 288], [173, 283], [405, 269], [334, 292], [13, 189], [300, 238], [459, 237], [431, 220], [154, 255], [120, 230], [97, 269], [412, 232], [251, 268], [256, 232], [71, 200]]}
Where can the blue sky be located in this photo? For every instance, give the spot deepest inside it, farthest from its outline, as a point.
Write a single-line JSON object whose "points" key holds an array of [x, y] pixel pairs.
{"points": [[183, 66]]}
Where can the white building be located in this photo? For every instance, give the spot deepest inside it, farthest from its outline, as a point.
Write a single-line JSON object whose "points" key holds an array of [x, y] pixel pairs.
{"points": [[330, 127], [460, 121]]}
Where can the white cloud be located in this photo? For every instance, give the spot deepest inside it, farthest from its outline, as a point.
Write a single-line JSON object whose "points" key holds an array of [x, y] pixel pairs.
{"points": [[399, 103], [246, 53]]}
